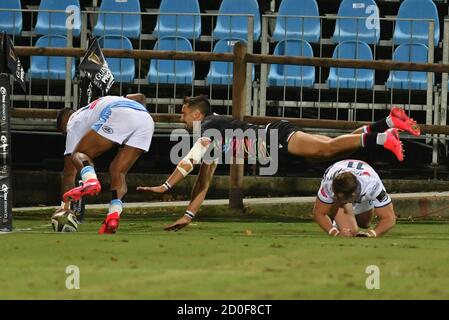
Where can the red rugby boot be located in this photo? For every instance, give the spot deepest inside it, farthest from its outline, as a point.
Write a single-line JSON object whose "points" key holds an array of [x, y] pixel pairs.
{"points": [[89, 188], [394, 144], [110, 224], [402, 122]]}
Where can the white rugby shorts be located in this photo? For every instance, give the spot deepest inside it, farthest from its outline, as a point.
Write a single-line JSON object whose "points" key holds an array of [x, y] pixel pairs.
{"points": [[127, 126]]}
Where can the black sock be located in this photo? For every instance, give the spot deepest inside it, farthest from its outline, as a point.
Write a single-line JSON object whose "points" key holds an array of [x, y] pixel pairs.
{"points": [[369, 140], [114, 194], [86, 163], [378, 126]]}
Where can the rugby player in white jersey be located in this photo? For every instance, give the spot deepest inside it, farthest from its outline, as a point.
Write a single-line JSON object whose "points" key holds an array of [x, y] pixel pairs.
{"points": [[91, 131], [291, 140], [351, 193]]}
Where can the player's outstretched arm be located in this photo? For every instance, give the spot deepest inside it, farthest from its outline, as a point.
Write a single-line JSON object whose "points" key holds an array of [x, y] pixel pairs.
{"points": [[68, 176], [199, 193], [320, 215], [184, 167], [387, 220], [174, 178]]}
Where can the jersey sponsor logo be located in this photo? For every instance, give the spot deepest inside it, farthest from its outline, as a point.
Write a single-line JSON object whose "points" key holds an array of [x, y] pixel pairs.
{"points": [[323, 193], [107, 129], [94, 104], [374, 189], [383, 196]]}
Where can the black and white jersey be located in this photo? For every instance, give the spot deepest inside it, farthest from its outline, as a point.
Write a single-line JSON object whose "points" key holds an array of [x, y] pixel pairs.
{"points": [[370, 188]]}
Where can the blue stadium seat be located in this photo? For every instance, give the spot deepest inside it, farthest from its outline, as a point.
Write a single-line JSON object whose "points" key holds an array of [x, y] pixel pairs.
{"points": [[366, 29], [349, 78], [292, 75], [409, 52], [43, 67], [416, 31], [307, 29], [172, 71], [234, 26], [11, 22], [183, 26], [122, 69], [54, 23], [221, 73], [127, 25]]}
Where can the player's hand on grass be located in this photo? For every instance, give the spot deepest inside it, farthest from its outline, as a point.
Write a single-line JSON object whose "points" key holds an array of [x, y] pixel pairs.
{"points": [[159, 189], [363, 234], [179, 224], [346, 232]]}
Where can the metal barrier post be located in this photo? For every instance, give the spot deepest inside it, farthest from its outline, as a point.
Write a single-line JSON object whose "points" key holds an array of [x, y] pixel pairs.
{"points": [[444, 80], [436, 120], [68, 68], [430, 58], [263, 68], [249, 67], [83, 37]]}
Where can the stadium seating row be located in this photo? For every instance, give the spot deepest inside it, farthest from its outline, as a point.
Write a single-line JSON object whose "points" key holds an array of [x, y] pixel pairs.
{"points": [[292, 34], [348, 78], [220, 73], [115, 22], [288, 25], [160, 71]]}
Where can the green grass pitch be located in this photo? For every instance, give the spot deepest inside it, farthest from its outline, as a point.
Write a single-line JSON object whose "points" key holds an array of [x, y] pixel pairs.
{"points": [[222, 259]]}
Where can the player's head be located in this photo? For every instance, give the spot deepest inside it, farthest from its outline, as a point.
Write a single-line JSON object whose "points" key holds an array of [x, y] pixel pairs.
{"points": [[345, 187], [139, 97], [194, 109], [62, 119]]}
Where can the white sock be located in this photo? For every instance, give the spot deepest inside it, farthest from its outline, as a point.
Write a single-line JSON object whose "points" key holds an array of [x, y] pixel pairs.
{"points": [[115, 205], [381, 138], [87, 173], [389, 122]]}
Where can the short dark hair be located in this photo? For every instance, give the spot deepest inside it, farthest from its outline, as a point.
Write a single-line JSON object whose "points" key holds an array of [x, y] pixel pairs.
{"points": [[345, 183], [200, 103], [61, 115]]}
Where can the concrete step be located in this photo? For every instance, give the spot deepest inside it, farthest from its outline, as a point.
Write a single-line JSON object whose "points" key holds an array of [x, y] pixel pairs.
{"points": [[423, 205]]}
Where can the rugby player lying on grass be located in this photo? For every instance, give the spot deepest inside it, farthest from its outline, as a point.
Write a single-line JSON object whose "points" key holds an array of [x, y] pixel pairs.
{"points": [[291, 140], [351, 192]]}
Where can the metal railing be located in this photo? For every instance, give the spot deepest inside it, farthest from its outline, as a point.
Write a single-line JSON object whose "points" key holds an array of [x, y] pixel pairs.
{"points": [[256, 94], [321, 85], [145, 41]]}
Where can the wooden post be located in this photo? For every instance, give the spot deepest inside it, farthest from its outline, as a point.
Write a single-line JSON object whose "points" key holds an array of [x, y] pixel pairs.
{"points": [[238, 112]]}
